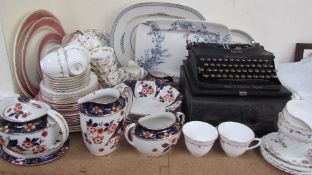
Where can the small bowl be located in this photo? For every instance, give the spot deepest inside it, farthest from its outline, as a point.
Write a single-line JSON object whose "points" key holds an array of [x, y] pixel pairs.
{"points": [[293, 132], [199, 137]]}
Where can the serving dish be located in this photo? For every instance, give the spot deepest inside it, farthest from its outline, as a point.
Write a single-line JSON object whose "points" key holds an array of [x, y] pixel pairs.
{"points": [[125, 24], [161, 44], [240, 36], [30, 32]]}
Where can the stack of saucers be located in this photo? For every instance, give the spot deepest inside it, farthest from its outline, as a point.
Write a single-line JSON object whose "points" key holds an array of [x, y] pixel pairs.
{"points": [[62, 94], [290, 148]]}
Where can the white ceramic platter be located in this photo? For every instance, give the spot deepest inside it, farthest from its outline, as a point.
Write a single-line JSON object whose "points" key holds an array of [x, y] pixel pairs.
{"points": [[124, 27], [240, 36], [31, 31], [161, 45], [289, 153]]}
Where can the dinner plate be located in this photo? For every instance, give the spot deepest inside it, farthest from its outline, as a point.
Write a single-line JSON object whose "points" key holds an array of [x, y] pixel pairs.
{"points": [[240, 36], [161, 45], [26, 44], [124, 27]]}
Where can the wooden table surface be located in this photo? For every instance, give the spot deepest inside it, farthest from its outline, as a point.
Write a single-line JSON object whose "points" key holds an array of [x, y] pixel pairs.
{"points": [[126, 160]]}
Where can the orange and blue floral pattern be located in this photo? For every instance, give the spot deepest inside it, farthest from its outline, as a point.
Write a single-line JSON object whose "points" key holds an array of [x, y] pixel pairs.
{"points": [[26, 127], [96, 109]]}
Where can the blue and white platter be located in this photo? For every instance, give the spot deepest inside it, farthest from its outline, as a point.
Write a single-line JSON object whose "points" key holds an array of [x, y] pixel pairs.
{"points": [[161, 44], [124, 28]]}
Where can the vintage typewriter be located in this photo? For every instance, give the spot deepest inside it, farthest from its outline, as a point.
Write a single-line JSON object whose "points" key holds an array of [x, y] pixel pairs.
{"points": [[234, 68]]}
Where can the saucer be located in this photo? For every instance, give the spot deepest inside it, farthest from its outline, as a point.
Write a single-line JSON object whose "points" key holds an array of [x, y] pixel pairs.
{"points": [[35, 161], [289, 151]]}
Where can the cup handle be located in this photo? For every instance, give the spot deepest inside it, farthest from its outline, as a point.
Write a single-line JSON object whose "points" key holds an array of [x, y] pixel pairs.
{"points": [[128, 130], [181, 117], [255, 146]]}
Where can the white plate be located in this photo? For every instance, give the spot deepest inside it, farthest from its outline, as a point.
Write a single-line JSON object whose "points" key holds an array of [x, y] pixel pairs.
{"points": [[289, 151], [282, 166], [124, 27], [161, 45], [240, 36]]}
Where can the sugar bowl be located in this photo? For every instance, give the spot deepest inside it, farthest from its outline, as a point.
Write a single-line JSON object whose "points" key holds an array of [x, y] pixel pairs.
{"points": [[155, 134], [30, 129]]}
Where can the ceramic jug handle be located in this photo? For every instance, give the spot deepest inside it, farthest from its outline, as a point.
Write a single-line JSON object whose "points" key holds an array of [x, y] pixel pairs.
{"points": [[128, 130], [255, 146], [126, 92], [181, 117]]}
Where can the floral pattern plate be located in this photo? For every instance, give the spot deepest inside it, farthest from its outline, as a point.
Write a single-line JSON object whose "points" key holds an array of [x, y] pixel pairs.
{"points": [[152, 97], [287, 152], [291, 169], [124, 27], [35, 161], [163, 42]]}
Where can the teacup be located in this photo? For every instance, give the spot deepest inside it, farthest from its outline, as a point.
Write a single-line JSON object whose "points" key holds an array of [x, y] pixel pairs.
{"points": [[199, 137], [54, 64], [86, 40], [293, 132], [156, 134], [78, 59], [298, 113], [235, 138]]}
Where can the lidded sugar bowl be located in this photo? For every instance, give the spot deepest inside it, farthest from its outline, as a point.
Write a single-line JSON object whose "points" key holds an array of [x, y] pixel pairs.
{"points": [[30, 129]]}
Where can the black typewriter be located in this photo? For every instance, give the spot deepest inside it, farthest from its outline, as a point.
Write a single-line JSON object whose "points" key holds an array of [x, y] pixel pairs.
{"points": [[232, 66]]}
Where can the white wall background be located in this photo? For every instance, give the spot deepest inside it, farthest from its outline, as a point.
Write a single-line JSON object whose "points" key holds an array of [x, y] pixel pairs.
{"points": [[277, 24]]}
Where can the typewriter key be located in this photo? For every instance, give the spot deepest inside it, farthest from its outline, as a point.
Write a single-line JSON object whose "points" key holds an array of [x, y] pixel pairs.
{"points": [[208, 59], [236, 76], [271, 66], [243, 76], [202, 59], [229, 65], [219, 75], [244, 70], [247, 65], [265, 65], [253, 65], [268, 71], [267, 76], [241, 65], [262, 70], [225, 60], [212, 75], [259, 65], [238, 70], [220, 70], [224, 75], [255, 76], [223, 65], [220, 59], [206, 64], [231, 76], [235, 65], [214, 59], [212, 64], [274, 76], [215, 70], [209, 70], [232, 70], [226, 70], [261, 76], [250, 70], [256, 70], [206, 75], [231, 59]]}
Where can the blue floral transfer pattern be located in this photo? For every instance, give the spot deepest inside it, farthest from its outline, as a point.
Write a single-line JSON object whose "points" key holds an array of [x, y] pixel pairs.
{"points": [[200, 32], [154, 56]]}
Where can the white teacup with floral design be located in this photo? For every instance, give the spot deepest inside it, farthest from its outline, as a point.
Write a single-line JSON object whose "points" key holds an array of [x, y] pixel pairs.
{"points": [[235, 138], [102, 118], [199, 137]]}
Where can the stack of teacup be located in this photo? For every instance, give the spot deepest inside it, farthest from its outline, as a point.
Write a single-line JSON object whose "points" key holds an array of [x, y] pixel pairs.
{"points": [[103, 59], [66, 78], [290, 149], [104, 65]]}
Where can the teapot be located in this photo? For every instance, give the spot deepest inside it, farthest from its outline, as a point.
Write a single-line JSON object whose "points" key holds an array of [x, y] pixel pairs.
{"points": [[102, 118], [30, 128]]}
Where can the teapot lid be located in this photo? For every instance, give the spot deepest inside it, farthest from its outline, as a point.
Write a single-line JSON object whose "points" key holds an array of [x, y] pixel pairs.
{"points": [[22, 109]]}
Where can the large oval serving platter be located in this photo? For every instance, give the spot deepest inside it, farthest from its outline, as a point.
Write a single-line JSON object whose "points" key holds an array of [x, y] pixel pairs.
{"points": [[26, 49], [124, 27], [161, 45]]}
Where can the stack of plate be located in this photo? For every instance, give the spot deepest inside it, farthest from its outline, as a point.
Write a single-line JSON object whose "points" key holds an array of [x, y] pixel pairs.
{"points": [[62, 95], [287, 155], [36, 35]]}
